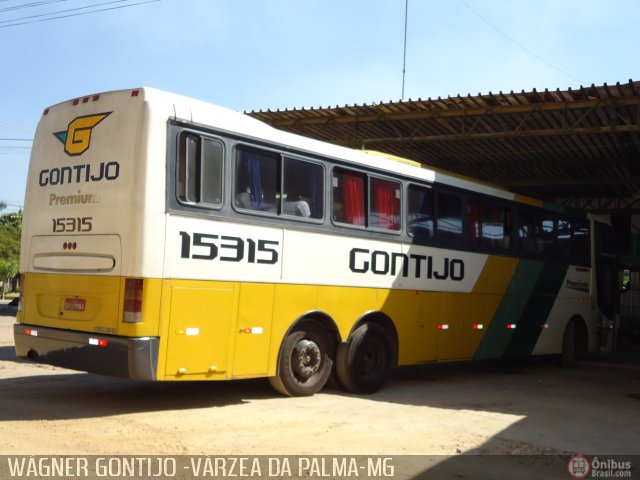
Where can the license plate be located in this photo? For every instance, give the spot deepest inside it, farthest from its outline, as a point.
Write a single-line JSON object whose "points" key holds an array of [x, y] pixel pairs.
{"points": [[75, 304]]}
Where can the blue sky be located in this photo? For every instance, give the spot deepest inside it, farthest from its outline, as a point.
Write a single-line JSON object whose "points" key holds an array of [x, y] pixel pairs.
{"points": [[275, 54]]}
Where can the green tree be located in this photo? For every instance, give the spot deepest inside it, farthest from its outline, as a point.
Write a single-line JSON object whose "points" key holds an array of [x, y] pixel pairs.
{"points": [[8, 271], [10, 230]]}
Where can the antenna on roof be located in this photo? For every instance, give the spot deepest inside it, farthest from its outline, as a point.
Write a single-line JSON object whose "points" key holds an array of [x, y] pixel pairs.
{"points": [[404, 62]]}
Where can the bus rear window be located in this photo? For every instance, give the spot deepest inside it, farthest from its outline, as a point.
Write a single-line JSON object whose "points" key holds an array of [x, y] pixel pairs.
{"points": [[200, 161]]}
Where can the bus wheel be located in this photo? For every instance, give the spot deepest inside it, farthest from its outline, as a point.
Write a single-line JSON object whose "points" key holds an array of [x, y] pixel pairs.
{"points": [[363, 362], [304, 362], [574, 343]]}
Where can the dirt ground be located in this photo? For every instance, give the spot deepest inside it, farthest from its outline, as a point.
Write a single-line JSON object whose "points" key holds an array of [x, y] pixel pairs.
{"points": [[532, 408]]}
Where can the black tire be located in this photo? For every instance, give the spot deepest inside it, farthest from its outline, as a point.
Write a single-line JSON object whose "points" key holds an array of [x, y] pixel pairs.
{"points": [[305, 361], [574, 343], [363, 362], [568, 355]]}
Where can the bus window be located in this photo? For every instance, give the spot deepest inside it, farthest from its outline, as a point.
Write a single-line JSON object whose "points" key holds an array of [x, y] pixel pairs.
{"points": [[563, 239], [257, 180], [449, 219], [302, 188], [487, 225], [545, 235], [385, 204], [349, 197], [200, 163], [420, 211], [526, 237]]}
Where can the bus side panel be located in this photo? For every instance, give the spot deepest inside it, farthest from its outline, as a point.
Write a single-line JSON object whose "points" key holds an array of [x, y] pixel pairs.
{"points": [[536, 312], [199, 337], [510, 309], [253, 330], [290, 304], [465, 318], [572, 300], [346, 305], [447, 325], [405, 309]]}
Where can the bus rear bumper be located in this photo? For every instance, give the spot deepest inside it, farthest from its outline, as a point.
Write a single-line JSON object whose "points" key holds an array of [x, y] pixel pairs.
{"points": [[129, 357]]}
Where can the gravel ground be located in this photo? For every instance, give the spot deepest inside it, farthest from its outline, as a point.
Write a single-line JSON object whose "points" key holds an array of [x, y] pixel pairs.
{"points": [[529, 409]]}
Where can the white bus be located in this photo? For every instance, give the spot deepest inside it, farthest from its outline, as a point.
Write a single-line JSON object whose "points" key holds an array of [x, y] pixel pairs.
{"points": [[165, 238]]}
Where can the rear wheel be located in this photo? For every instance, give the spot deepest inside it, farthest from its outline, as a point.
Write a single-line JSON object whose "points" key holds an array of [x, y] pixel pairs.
{"points": [[362, 364], [305, 361], [574, 343]]}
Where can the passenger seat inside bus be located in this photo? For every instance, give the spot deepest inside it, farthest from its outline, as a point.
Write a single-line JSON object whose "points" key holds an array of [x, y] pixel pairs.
{"points": [[299, 209]]}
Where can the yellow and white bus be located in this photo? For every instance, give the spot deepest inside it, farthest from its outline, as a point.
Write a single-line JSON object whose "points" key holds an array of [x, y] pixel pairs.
{"points": [[166, 238]]}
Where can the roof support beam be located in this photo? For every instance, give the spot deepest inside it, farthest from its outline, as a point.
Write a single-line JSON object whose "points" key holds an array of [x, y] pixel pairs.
{"points": [[508, 134], [285, 123]]}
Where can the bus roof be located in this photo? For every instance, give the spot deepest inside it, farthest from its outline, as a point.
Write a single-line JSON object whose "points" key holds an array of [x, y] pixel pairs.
{"points": [[190, 110]]}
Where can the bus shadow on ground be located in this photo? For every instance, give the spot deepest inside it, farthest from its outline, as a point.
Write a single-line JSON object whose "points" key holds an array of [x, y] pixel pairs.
{"points": [[547, 410], [8, 354], [83, 395]]}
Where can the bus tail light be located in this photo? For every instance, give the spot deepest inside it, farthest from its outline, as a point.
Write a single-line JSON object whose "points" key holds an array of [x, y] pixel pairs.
{"points": [[133, 300], [98, 342]]}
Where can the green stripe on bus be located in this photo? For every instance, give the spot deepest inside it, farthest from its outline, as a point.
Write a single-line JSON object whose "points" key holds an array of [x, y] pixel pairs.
{"points": [[537, 309], [510, 310]]}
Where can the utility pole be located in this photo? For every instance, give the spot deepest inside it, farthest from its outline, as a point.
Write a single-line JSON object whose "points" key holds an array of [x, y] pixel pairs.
{"points": [[404, 62]]}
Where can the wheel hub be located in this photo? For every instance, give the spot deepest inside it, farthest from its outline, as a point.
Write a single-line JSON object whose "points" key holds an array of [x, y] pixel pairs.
{"points": [[306, 358]]}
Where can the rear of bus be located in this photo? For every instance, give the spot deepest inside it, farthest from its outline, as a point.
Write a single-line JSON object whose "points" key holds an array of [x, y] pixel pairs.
{"points": [[90, 292]]}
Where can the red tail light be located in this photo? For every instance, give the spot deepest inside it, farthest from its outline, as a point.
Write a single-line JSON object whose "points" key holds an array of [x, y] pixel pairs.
{"points": [[133, 300]]}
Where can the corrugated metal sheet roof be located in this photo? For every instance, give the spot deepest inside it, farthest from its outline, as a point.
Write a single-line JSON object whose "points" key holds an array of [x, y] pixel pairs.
{"points": [[578, 147]]}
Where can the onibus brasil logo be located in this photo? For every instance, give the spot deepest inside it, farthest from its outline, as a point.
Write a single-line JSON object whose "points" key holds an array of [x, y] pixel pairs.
{"points": [[77, 137]]}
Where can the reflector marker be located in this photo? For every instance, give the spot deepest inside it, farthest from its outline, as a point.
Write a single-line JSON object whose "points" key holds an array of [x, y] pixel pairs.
{"points": [[478, 326], [98, 342], [511, 326], [192, 331], [29, 331], [443, 326], [544, 325], [253, 330]]}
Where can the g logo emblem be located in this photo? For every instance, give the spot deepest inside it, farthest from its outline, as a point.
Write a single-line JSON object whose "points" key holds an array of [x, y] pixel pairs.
{"points": [[77, 137]]}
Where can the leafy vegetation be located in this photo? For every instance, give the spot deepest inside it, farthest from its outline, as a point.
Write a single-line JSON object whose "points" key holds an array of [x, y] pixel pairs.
{"points": [[10, 229]]}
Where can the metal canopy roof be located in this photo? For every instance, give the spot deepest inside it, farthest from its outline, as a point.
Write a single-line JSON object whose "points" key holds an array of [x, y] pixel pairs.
{"points": [[579, 148]]}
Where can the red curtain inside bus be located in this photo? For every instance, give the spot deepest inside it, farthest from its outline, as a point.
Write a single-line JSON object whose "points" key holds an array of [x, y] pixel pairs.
{"points": [[353, 196], [475, 232], [386, 206]]}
